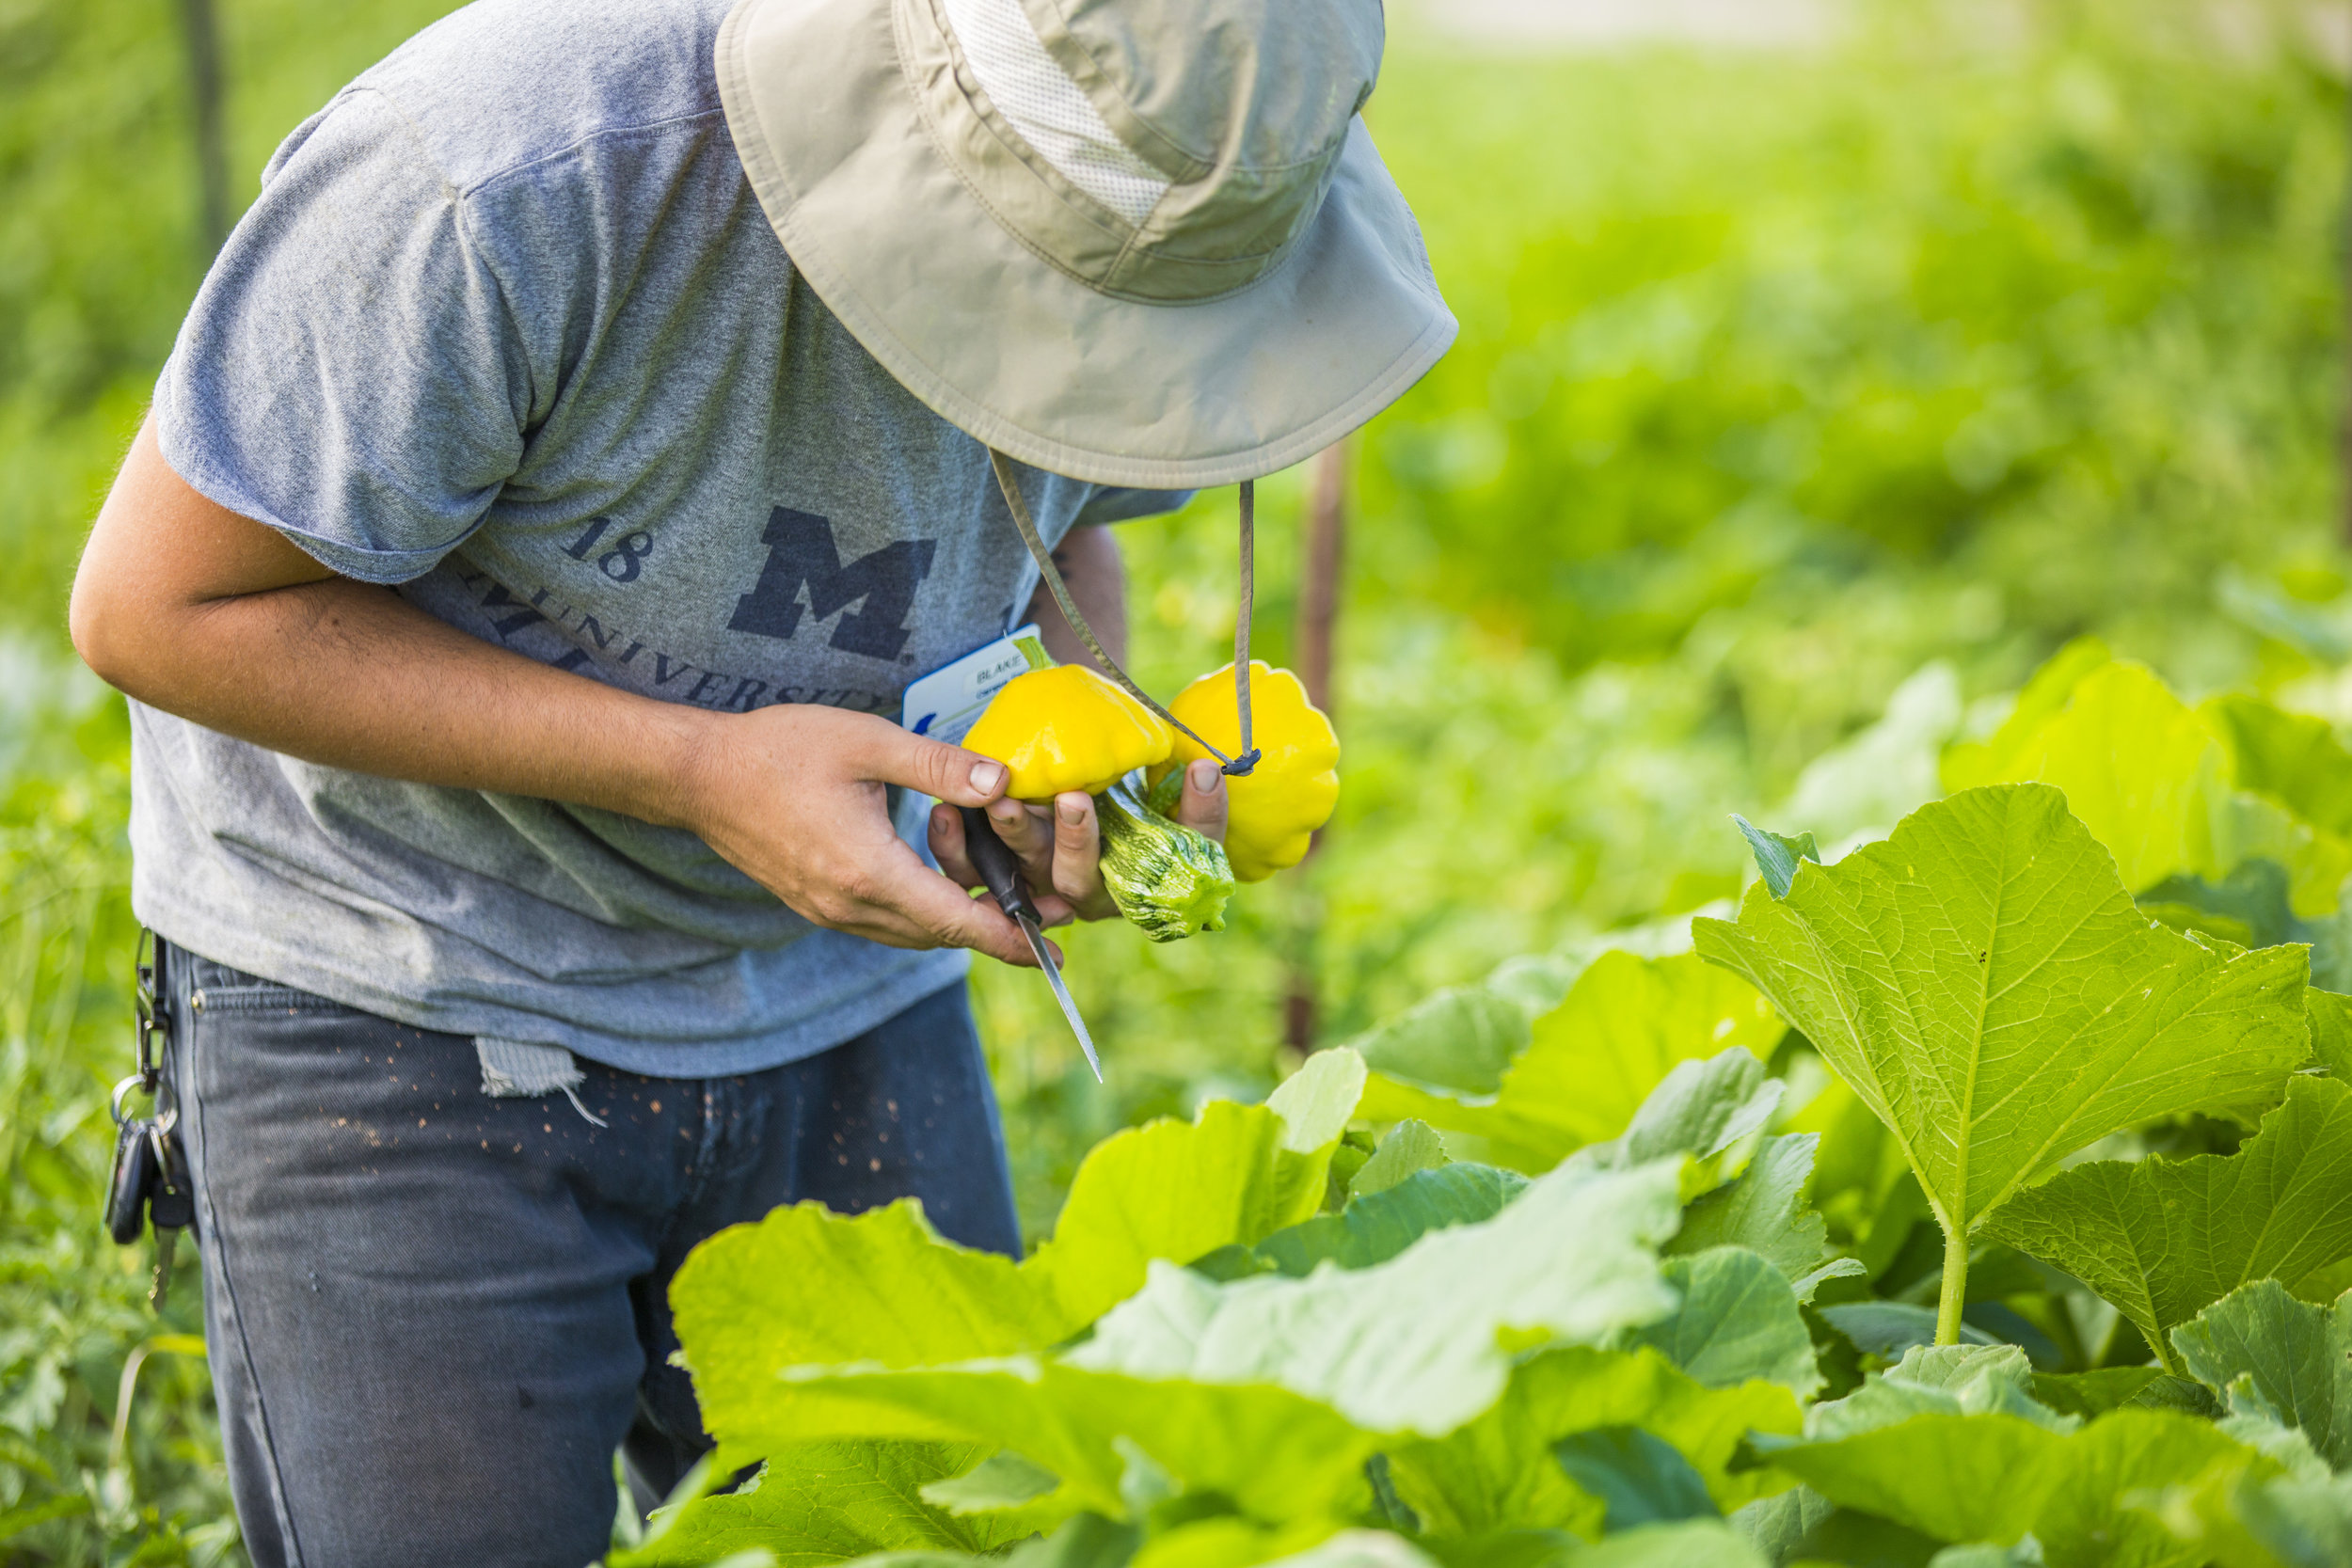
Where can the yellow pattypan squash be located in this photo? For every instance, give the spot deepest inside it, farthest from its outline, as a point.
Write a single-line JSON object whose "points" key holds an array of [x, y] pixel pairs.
{"points": [[1271, 810], [1065, 727]]}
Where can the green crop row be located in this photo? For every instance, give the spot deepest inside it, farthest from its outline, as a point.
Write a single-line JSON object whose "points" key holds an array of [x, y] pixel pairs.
{"points": [[1854, 1224], [1779, 379]]}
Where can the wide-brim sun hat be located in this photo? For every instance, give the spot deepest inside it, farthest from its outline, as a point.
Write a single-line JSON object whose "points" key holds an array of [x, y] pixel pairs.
{"points": [[1134, 241]]}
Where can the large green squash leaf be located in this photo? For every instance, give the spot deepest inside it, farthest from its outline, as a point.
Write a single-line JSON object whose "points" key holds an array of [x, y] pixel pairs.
{"points": [[1353, 1548], [822, 1503], [1594, 1059], [1231, 1541], [2164, 786], [1995, 1477], [1423, 1341], [1460, 1038], [999, 1485], [2296, 763], [1090, 1541], [2281, 1357], [1375, 1227], [1692, 1544], [1765, 1212], [2087, 1519], [1890, 1328], [2293, 758], [1639, 1478], [1939, 1380], [1983, 983], [2239, 1520], [1712, 1113], [1993, 760], [2163, 1239], [2330, 1016], [2140, 768], [1737, 1323], [1983, 1556], [1232, 1389], [1408, 1148], [1277, 1455], [1777, 854], [1952, 1442], [1956, 1478], [1778, 1525], [2095, 1393], [1087, 1541], [1964, 1415], [1234, 1542], [1493, 1473], [1623, 1026], [2255, 906], [1173, 1190], [805, 1285], [807, 1288]]}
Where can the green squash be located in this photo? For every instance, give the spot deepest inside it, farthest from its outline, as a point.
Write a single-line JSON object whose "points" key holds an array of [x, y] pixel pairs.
{"points": [[1163, 877]]}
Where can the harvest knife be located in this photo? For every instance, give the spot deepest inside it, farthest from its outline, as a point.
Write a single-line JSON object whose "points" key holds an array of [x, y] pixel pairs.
{"points": [[1001, 874]]}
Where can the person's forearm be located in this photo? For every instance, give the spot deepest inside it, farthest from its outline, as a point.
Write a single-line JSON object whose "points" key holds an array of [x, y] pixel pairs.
{"points": [[1089, 562], [415, 698], [425, 702], [198, 611]]}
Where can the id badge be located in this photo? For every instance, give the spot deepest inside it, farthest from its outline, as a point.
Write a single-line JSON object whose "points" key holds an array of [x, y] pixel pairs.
{"points": [[945, 703]]}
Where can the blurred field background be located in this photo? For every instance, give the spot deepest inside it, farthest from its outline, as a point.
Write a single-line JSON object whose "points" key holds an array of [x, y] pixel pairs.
{"points": [[1810, 354]]}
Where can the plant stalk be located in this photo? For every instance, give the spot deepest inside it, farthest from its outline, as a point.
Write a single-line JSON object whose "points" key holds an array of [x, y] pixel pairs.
{"points": [[203, 27], [1955, 1287], [1319, 577], [1319, 580]]}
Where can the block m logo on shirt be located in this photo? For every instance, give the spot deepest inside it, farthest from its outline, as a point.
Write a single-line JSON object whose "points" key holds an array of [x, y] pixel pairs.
{"points": [[801, 552]]}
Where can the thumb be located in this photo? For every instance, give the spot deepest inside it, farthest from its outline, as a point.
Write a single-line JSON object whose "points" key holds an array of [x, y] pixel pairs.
{"points": [[947, 772]]}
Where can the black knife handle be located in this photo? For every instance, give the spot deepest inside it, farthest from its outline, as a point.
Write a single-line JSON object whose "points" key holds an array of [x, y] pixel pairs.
{"points": [[993, 858]]}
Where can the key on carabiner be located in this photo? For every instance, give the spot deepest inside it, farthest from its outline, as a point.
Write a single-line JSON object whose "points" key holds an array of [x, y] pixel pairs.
{"points": [[159, 1286], [172, 1202]]}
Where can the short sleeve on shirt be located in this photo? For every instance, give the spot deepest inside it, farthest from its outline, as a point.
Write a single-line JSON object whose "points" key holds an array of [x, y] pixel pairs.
{"points": [[1117, 504], [350, 373]]}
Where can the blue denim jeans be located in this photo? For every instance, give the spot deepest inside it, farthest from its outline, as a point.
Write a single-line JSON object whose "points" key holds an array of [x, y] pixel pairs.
{"points": [[434, 1316]]}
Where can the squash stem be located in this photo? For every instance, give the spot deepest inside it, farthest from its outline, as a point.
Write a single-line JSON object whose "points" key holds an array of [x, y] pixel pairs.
{"points": [[1034, 651], [1955, 1287]]}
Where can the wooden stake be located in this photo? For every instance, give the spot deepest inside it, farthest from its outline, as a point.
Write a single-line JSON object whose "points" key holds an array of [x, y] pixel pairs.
{"points": [[1326, 546], [1319, 580], [211, 155], [2343, 433]]}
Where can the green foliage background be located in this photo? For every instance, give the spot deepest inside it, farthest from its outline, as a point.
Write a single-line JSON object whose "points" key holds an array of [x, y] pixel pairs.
{"points": [[1779, 376]]}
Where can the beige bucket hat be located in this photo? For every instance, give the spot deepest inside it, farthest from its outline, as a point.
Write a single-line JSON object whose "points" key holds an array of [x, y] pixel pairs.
{"points": [[1134, 242]]}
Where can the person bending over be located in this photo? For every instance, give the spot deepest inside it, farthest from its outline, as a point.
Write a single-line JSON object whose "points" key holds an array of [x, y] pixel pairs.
{"points": [[563, 469]]}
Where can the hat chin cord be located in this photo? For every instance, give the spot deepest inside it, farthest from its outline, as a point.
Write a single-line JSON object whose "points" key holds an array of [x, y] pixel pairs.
{"points": [[1234, 766]]}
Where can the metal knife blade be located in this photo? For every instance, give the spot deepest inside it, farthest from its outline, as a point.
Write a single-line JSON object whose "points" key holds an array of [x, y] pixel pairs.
{"points": [[1061, 992], [1001, 873]]}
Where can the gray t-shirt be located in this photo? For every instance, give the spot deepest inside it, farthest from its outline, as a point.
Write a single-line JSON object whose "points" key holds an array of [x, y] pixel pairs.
{"points": [[508, 328]]}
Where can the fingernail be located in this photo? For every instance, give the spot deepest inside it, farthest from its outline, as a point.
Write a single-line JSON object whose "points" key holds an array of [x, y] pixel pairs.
{"points": [[1073, 813], [1005, 811], [986, 776], [1203, 774]]}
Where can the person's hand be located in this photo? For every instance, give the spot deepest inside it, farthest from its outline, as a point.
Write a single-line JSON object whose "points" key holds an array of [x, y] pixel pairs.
{"points": [[1060, 845], [793, 797]]}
